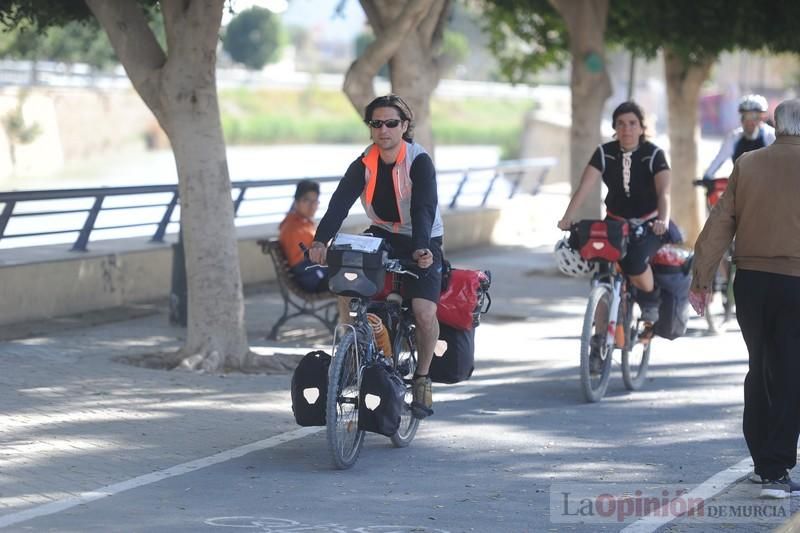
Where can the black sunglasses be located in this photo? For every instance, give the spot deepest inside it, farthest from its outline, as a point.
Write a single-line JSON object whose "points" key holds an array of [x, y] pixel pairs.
{"points": [[391, 123]]}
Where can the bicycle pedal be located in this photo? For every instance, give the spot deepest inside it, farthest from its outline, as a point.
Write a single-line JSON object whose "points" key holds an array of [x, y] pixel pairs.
{"points": [[404, 368], [420, 411]]}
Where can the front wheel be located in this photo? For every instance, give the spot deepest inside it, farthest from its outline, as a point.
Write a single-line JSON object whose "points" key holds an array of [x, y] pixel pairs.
{"points": [[405, 361], [595, 351], [344, 438], [636, 354]]}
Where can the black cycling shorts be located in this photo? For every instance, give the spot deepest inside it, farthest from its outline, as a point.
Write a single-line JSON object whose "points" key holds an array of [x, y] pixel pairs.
{"points": [[640, 251], [429, 285]]}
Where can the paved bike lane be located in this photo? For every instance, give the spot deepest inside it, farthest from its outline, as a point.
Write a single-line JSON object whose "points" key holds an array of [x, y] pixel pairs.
{"points": [[124, 448], [76, 423], [488, 461]]}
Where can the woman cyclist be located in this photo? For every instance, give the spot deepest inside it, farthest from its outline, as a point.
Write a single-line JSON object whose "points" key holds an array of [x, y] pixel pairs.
{"points": [[637, 176]]}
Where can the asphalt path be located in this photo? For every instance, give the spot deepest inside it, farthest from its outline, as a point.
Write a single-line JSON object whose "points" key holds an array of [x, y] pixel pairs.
{"points": [[498, 455], [514, 449]]}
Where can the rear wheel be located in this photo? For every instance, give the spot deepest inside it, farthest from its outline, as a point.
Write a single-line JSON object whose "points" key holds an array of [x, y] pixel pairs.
{"points": [[595, 352], [635, 355], [344, 438], [717, 312], [720, 308], [405, 361], [729, 311]]}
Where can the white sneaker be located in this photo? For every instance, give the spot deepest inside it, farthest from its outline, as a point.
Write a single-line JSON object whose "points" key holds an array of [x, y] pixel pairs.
{"points": [[752, 477]]}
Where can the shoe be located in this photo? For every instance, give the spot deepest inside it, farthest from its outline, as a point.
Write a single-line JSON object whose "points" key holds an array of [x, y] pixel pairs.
{"points": [[650, 313], [779, 488], [752, 477], [595, 357], [647, 334], [422, 397]]}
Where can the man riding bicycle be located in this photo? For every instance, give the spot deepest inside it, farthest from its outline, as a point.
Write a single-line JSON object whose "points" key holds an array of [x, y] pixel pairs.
{"points": [[637, 175], [751, 135], [396, 181]]}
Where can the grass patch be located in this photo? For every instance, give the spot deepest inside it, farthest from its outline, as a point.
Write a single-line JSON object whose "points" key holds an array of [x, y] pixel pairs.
{"points": [[321, 116]]}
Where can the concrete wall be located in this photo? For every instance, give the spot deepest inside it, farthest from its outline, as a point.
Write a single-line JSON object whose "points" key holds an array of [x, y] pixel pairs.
{"points": [[72, 124], [46, 282], [546, 134]]}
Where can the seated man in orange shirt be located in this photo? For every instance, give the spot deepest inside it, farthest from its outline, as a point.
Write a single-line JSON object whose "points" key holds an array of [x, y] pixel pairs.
{"points": [[298, 227]]}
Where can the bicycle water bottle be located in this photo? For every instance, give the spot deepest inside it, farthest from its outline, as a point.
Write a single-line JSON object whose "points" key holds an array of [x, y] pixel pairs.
{"points": [[381, 334]]}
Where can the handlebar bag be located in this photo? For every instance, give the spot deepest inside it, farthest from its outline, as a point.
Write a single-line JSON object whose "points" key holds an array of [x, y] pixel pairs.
{"points": [[380, 399], [458, 360], [355, 273], [310, 388], [600, 240]]}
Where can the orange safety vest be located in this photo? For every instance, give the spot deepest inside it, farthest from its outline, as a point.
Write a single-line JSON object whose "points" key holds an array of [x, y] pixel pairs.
{"points": [[401, 179]]}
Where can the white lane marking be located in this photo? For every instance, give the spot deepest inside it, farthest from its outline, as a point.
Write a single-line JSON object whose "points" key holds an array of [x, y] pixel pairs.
{"points": [[184, 468], [705, 490], [221, 457]]}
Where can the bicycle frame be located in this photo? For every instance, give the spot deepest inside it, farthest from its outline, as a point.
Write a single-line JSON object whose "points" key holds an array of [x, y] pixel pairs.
{"points": [[615, 282], [364, 340], [365, 349]]}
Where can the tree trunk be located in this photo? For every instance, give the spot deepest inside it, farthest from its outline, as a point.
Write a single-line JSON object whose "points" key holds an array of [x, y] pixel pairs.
{"points": [[215, 330], [590, 86], [181, 91], [414, 77], [684, 81], [408, 37]]}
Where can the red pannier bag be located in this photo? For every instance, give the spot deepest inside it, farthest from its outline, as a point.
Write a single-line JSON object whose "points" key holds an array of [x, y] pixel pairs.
{"points": [[714, 194], [388, 287], [465, 299], [605, 240], [671, 258]]}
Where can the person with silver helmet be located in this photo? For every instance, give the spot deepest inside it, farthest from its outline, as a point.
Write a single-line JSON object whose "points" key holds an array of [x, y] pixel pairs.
{"points": [[753, 134]]}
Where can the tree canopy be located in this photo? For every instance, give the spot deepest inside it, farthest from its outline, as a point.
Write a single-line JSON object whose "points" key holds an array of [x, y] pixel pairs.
{"points": [[698, 31], [72, 43], [62, 31], [254, 38], [525, 37]]}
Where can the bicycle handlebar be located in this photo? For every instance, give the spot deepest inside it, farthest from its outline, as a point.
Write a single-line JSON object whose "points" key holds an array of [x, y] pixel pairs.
{"points": [[401, 266], [636, 230], [395, 266]]}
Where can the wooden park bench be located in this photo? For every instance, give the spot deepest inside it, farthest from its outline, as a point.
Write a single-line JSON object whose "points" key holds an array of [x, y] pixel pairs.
{"points": [[296, 300]]}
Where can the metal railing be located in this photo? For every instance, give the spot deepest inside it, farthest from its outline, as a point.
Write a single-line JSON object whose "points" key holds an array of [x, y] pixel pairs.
{"points": [[56, 216]]}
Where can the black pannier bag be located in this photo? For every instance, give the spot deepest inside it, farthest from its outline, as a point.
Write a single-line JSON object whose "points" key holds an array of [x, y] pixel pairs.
{"points": [[673, 312], [380, 399], [354, 272], [310, 388], [458, 361], [605, 240]]}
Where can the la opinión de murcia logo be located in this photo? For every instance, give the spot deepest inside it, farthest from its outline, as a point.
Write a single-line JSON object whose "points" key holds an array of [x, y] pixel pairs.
{"points": [[579, 505]]}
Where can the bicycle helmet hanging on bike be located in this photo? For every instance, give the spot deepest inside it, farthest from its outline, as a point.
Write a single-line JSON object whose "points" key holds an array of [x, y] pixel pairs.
{"points": [[570, 262], [753, 102]]}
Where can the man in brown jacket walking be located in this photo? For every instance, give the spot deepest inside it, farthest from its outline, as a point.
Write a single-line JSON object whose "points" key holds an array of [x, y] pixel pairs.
{"points": [[761, 207]]}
